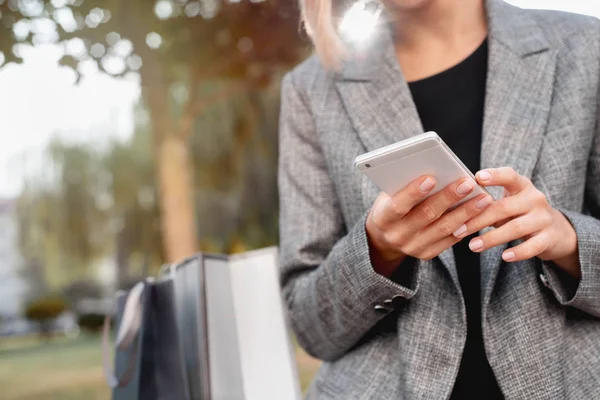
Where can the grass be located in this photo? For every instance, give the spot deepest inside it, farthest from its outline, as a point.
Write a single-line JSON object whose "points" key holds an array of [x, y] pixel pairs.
{"points": [[62, 369], [71, 369]]}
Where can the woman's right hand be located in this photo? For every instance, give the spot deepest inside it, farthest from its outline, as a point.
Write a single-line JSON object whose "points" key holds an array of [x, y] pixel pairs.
{"points": [[406, 225]]}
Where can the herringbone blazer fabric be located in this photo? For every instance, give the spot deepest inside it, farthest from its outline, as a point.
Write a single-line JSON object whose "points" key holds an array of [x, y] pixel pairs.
{"points": [[541, 329]]}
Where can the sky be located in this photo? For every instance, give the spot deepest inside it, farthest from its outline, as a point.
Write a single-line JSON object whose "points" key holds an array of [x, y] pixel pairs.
{"points": [[39, 100]]}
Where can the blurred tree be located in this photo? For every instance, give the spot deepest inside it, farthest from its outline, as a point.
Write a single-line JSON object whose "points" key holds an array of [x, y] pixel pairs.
{"points": [[92, 204], [75, 217], [134, 209], [44, 311], [189, 54], [80, 290], [237, 159], [60, 229], [114, 187], [61, 226], [91, 322], [32, 238]]}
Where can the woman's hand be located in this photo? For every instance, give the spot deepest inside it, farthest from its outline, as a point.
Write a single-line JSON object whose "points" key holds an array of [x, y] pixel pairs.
{"points": [[524, 213], [405, 225]]}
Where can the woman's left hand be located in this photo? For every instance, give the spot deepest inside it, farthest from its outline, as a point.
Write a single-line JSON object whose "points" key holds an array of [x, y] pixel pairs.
{"points": [[524, 213]]}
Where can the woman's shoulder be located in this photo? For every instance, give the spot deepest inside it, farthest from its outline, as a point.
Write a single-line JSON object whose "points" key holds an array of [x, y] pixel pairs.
{"points": [[565, 28], [310, 76]]}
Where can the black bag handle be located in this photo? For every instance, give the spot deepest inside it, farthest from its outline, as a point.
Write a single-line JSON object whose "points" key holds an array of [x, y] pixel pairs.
{"points": [[127, 336]]}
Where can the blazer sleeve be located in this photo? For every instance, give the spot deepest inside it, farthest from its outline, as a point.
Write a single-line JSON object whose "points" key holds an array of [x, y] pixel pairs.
{"points": [[333, 295], [585, 294]]}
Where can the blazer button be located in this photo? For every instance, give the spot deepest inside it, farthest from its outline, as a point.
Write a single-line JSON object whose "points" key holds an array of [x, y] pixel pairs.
{"points": [[395, 302], [544, 280], [398, 300], [379, 309]]}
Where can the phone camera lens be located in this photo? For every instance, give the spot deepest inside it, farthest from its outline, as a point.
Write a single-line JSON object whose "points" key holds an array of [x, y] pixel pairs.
{"points": [[368, 165]]}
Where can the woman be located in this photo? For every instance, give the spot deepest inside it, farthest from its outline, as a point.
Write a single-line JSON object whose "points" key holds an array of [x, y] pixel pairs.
{"points": [[403, 299]]}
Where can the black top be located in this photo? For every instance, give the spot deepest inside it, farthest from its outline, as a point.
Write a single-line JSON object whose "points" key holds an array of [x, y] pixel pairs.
{"points": [[451, 104]]}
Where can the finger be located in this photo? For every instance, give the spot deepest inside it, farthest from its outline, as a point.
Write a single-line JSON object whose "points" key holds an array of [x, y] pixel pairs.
{"points": [[453, 222], [532, 247], [507, 177], [502, 210], [432, 250], [517, 228], [433, 207], [396, 207], [502, 222], [413, 194]]}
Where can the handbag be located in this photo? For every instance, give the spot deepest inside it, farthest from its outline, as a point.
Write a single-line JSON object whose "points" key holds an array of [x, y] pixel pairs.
{"points": [[212, 327], [147, 361]]}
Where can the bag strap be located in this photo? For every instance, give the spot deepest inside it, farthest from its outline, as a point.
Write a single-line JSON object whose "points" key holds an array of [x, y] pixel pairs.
{"points": [[127, 337]]}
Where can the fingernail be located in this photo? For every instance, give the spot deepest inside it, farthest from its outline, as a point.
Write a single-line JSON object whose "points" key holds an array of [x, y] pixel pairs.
{"points": [[460, 231], [464, 187], [508, 255], [483, 203], [484, 175], [427, 185], [476, 244]]}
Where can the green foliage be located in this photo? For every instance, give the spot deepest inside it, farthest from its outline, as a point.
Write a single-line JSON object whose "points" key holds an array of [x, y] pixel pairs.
{"points": [[106, 200], [45, 308], [242, 40], [81, 290], [134, 208], [61, 228], [95, 203], [92, 323], [235, 159], [78, 182], [128, 284], [221, 58], [44, 311]]}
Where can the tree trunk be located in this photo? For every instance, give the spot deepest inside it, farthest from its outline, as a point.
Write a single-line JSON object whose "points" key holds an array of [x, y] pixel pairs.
{"points": [[178, 219], [173, 167], [122, 255], [146, 261]]}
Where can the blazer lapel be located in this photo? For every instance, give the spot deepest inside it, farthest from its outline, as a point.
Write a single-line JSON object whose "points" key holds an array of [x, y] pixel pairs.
{"points": [[377, 97], [518, 96], [379, 103]]}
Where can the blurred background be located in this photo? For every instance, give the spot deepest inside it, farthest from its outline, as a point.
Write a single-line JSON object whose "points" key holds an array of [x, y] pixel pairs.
{"points": [[132, 132]]}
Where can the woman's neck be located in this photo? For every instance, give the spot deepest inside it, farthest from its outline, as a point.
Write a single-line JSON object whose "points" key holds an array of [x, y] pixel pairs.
{"points": [[449, 21], [437, 35]]}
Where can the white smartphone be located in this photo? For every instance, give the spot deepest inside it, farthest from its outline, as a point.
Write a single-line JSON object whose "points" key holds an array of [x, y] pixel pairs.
{"points": [[393, 167]]}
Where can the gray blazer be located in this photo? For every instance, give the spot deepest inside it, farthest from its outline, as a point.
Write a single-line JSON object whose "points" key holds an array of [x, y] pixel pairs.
{"points": [[541, 330]]}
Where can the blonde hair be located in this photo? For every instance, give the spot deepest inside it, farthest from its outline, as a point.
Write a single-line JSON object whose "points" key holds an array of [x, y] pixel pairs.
{"points": [[318, 19]]}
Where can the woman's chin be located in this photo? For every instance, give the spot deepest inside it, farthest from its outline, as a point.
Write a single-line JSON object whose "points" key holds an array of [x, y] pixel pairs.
{"points": [[407, 5]]}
